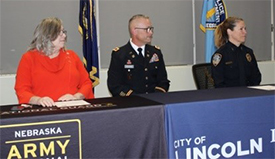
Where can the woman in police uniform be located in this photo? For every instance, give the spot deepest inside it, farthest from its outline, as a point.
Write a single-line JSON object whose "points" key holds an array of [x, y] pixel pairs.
{"points": [[233, 64]]}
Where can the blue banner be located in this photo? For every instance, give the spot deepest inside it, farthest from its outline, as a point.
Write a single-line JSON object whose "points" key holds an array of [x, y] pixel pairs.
{"points": [[87, 28], [213, 13], [231, 128]]}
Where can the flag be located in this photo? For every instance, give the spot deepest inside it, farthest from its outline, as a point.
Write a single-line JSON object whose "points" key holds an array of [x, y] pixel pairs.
{"points": [[87, 28], [213, 13]]}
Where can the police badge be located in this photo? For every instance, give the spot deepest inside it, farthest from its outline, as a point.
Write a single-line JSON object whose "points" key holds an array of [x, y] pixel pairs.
{"points": [[248, 57]]}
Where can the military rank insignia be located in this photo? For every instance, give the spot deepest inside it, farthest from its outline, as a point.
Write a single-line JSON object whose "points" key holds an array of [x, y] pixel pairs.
{"points": [[116, 49], [157, 47], [216, 59], [248, 57]]}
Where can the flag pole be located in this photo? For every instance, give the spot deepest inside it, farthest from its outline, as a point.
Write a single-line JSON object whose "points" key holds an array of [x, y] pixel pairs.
{"points": [[272, 30], [97, 31], [194, 33], [98, 37]]}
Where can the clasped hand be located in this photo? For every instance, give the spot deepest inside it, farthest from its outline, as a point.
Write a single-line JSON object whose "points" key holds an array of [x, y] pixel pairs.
{"points": [[48, 102]]}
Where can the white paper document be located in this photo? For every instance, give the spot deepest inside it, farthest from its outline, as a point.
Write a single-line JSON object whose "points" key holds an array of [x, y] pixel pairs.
{"points": [[71, 103], [267, 87]]}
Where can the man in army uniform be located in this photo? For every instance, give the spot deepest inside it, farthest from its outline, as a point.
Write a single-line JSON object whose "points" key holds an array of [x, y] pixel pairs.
{"points": [[137, 67]]}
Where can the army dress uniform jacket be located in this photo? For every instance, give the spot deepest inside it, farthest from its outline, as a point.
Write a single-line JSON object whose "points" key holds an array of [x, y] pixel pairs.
{"points": [[128, 74], [234, 66]]}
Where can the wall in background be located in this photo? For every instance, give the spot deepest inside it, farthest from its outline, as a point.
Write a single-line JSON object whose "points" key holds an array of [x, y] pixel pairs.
{"points": [[180, 76], [172, 20]]}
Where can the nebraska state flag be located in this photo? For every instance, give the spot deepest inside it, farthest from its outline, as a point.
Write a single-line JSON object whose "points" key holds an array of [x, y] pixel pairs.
{"points": [[87, 28]]}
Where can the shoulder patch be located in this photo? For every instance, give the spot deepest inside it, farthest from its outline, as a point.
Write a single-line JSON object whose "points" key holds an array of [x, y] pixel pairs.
{"points": [[116, 49], [157, 47], [216, 59]]}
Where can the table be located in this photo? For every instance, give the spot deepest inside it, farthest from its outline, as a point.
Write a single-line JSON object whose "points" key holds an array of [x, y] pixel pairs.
{"points": [[219, 123], [131, 128]]}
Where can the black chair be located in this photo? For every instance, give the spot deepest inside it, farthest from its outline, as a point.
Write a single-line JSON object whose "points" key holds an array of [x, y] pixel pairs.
{"points": [[202, 76]]}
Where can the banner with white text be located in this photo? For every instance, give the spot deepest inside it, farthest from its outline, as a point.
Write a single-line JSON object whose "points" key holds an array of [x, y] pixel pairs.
{"points": [[60, 139], [231, 128]]}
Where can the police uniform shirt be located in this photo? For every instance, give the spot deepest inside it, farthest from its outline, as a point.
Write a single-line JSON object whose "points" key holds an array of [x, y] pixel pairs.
{"points": [[235, 66], [127, 75]]}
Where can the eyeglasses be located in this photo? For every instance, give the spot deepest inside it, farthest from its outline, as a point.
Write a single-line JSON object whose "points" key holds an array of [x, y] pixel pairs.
{"points": [[148, 29], [63, 32]]}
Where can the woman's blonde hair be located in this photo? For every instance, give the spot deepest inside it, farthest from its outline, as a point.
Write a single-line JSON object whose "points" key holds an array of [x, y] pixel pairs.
{"points": [[221, 36], [46, 32]]}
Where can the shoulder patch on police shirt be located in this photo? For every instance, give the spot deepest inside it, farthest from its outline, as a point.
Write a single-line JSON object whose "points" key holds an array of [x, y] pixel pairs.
{"points": [[248, 57], [216, 59], [116, 49], [157, 47]]}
